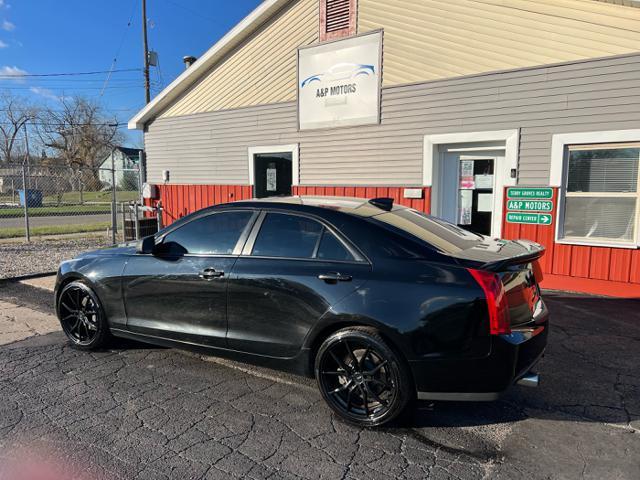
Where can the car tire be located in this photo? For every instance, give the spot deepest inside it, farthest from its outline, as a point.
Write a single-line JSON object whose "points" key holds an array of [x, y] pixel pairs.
{"points": [[82, 317], [361, 378]]}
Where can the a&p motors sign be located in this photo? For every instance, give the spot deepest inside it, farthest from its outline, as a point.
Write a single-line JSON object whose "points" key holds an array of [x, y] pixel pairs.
{"points": [[339, 82]]}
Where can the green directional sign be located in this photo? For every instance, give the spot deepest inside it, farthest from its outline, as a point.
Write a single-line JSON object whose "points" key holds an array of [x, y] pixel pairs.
{"points": [[529, 192], [530, 205], [529, 218]]}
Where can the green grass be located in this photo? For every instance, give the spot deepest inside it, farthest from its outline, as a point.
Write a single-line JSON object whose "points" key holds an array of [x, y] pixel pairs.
{"points": [[52, 210], [94, 202], [103, 196], [74, 197], [54, 230]]}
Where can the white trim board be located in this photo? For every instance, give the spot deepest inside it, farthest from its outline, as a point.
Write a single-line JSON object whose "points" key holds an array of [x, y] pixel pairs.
{"points": [[502, 172], [432, 142], [559, 169], [560, 140], [294, 148]]}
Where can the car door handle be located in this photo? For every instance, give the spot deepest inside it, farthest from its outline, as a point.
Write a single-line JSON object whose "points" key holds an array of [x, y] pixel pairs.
{"points": [[333, 277], [211, 273]]}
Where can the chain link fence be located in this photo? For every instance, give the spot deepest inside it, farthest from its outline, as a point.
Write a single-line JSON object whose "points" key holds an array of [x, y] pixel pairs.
{"points": [[49, 208]]}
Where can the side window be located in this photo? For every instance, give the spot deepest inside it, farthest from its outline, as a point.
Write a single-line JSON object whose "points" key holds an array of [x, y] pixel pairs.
{"points": [[331, 248], [284, 235], [214, 234]]}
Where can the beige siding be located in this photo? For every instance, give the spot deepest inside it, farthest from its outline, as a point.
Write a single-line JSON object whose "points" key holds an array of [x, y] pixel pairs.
{"points": [[211, 148], [432, 39], [262, 70]]}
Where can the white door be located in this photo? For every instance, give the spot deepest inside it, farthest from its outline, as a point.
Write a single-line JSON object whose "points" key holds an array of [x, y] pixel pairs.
{"points": [[466, 195]]}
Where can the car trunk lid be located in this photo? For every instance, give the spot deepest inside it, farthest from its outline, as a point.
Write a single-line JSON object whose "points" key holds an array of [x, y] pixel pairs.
{"points": [[515, 262]]}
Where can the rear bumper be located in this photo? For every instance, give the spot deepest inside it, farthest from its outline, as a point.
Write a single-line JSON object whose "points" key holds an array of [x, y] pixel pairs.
{"points": [[483, 396], [483, 379]]}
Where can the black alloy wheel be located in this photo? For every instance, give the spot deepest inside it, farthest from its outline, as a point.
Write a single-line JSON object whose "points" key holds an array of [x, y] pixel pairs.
{"points": [[361, 378], [81, 316]]}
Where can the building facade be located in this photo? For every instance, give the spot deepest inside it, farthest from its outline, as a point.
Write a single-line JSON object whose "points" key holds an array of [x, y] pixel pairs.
{"points": [[514, 119]]}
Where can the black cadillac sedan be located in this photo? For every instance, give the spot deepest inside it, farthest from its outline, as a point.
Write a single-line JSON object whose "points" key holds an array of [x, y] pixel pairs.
{"points": [[381, 303]]}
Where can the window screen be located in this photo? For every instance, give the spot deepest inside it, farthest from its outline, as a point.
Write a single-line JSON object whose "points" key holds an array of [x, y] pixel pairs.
{"points": [[601, 197], [213, 234]]}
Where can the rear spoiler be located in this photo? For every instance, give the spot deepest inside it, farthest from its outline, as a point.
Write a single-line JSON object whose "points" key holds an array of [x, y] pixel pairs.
{"points": [[528, 257]]}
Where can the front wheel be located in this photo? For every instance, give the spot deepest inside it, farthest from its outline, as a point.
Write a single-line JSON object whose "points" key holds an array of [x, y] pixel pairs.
{"points": [[82, 317], [361, 378]]}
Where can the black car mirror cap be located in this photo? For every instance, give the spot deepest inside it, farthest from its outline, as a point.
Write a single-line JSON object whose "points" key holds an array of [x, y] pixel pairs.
{"points": [[146, 245]]}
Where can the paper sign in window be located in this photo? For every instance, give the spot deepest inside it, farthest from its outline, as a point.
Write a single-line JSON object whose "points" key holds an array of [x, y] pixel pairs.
{"points": [[464, 207], [485, 202], [484, 181], [271, 180]]}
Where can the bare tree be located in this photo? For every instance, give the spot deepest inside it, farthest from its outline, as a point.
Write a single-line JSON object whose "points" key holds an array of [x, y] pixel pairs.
{"points": [[15, 112], [79, 134]]}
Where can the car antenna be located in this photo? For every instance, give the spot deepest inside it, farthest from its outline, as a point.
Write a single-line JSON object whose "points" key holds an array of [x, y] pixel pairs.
{"points": [[384, 203]]}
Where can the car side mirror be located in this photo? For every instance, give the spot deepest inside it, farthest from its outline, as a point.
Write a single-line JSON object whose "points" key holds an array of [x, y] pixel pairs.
{"points": [[146, 245]]}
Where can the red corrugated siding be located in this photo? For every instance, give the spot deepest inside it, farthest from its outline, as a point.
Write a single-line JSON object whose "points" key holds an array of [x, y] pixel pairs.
{"points": [[180, 200], [581, 268], [601, 270], [397, 193]]}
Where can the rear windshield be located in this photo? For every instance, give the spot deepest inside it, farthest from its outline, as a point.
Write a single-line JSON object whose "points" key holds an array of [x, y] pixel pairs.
{"points": [[444, 236]]}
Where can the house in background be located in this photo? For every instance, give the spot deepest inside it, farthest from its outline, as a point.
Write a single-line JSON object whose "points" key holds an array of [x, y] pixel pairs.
{"points": [[126, 162]]}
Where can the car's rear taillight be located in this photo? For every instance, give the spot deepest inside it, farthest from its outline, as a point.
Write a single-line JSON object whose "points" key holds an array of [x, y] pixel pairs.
{"points": [[499, 321]]}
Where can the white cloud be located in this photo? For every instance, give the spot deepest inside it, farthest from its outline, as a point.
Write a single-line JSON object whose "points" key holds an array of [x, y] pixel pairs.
{"points": [[12, 73], [8, 26], [44, 92], [3, 45]]}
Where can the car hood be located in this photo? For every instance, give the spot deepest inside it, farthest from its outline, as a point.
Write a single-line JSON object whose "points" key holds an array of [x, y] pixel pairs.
{"points": [[127, 248]]}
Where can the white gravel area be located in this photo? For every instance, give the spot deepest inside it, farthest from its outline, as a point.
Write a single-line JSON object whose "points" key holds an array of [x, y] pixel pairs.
{"points": [[40, 256]]}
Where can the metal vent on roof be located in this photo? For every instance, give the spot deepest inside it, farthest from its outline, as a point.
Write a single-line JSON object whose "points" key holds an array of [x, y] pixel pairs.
{"points": [[337, 15]]}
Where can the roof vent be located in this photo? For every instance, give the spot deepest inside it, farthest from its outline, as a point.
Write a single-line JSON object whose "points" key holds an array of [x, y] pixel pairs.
{"points": [[188, 60], [337, 15], [384, 203], [337, 19]]}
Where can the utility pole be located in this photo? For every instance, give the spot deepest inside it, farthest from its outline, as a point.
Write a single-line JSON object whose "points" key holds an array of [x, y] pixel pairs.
{"points": [[114, 205], [147, 93], [25, 189]]}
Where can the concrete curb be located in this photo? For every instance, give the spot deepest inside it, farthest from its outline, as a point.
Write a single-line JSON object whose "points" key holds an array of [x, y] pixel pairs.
{"points": [[27, 277]]}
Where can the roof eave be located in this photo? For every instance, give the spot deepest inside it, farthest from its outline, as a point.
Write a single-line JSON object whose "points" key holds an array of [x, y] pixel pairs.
{"points": [[250, 23]]}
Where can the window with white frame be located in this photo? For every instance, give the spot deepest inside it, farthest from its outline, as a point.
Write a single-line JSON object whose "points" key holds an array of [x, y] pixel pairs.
{"points": [[601, 193]]}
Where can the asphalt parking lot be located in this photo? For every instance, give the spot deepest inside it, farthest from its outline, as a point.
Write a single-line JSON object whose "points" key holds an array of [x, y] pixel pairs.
{"points": [[144, 412]]}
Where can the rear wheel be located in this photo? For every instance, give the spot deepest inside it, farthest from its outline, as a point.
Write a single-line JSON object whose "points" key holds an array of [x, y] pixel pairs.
{"points": [[361, 378], [82, 317]]}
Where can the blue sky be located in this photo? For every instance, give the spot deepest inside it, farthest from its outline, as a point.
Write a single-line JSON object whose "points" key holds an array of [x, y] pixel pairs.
{"points": [[62, 36]]}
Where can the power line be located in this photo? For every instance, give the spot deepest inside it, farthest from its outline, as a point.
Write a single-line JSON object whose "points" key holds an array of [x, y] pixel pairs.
{"points": [[76, 80], [70, 126], [62, 111], [97, 72], [194, 12], [115, 57], [71, 87]]}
